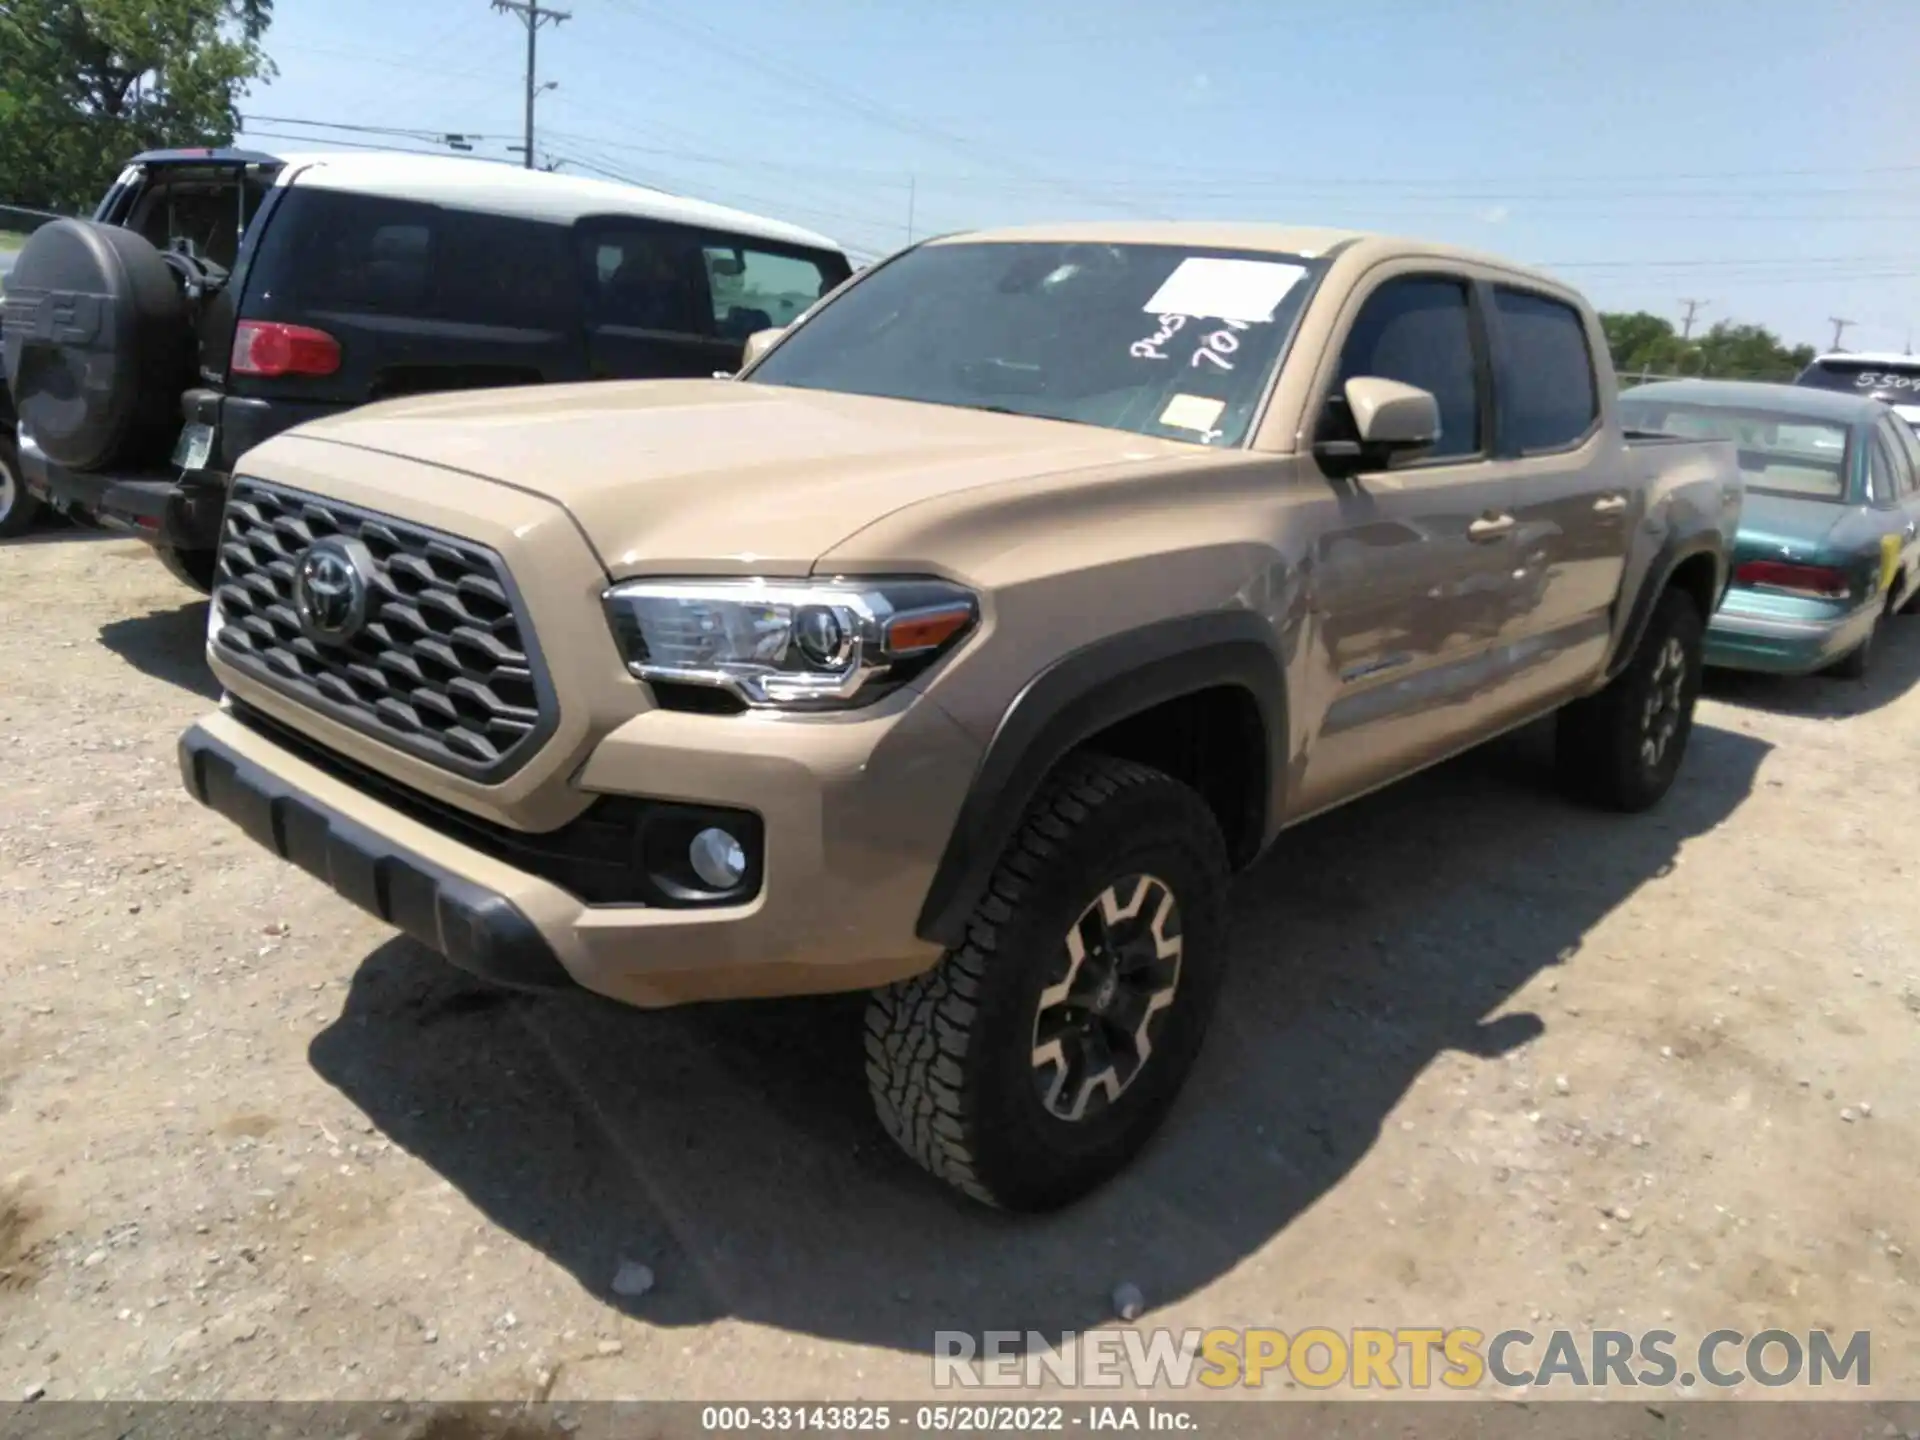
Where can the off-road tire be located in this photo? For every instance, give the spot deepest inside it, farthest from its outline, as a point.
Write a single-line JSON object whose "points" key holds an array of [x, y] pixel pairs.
{"points": [[951, 1053], [18, 509], [193, 568], [1600, 747]]}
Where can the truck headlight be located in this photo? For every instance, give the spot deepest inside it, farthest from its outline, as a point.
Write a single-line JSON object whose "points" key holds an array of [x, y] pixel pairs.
{"points": [[789, 644]]}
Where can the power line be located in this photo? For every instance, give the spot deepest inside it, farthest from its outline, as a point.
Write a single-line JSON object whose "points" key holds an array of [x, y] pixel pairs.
{"points": [[533, 16], [400, 131], [329, 144], [865, 109], [738, 198]]}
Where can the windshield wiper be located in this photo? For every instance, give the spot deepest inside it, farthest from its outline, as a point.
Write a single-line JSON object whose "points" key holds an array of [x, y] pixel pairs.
{"points": [[1029, 414]]}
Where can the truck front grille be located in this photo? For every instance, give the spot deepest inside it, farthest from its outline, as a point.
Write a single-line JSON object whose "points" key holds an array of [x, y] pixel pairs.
{"points": [[443, 665]]}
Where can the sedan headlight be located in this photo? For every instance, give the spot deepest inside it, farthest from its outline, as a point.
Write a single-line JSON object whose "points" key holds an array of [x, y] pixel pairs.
{"points": [[789, 645]]}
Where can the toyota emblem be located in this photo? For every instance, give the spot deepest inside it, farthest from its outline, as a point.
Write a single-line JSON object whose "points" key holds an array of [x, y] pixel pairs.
{"points": [[330, 587]]}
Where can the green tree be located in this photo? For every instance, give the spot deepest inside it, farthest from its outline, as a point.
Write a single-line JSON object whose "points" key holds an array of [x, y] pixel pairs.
{"points": [[1643, 343], [91, 82]]}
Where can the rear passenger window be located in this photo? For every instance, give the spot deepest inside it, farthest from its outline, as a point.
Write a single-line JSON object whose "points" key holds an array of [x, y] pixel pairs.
{"points": [[1419, 331], [759, 289], [1882, 487], [365, 254], [1906, 457], [1549, 399], [646, 276]]}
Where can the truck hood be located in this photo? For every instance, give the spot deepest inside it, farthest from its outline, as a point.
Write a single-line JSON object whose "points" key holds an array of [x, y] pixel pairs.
{"points": [[716, 476]]}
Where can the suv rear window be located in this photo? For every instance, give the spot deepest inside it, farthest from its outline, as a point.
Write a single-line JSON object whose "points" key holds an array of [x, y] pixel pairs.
{"points": [[362, 254], [1892, 382]]}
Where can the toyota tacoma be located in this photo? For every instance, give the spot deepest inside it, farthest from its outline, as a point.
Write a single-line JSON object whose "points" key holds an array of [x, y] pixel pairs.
{"points": [[961, 646]]}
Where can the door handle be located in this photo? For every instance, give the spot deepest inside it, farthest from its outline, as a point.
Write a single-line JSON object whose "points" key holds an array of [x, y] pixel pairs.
{"points": [[1609, 504], [1489, 527]]}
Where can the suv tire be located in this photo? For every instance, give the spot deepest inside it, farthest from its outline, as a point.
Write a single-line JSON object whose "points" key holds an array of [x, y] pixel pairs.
{"points": [[1621, 748], [193, 568], [18, 509], [1107, 909]]}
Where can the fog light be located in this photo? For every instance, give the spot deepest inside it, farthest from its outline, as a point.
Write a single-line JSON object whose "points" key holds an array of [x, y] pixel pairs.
{"points": [[717, 859]]}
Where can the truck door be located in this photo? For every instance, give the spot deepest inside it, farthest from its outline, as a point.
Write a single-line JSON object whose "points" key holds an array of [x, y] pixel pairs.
{"points": [[1411, 581], [1575, 499]]}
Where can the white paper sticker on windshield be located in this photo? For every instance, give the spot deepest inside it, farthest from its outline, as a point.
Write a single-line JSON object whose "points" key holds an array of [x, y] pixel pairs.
{"points": [[1225, 289], [1192, 412]]}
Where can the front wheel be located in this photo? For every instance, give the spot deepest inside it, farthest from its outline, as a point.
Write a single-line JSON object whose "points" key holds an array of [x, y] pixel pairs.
{"points": [[1033, 1062], [1621, 748], [18, 509]]}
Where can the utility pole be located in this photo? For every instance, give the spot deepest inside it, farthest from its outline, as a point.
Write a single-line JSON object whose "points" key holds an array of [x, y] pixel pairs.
{"points": [[533, 15], [1839, 328], [1686, 326]]}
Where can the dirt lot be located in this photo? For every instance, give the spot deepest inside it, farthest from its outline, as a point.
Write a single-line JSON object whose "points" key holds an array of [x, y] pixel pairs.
{"points": [[1485, 1060]]}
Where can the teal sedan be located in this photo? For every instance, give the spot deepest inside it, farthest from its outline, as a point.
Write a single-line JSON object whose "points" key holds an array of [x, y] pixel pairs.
{"points": [[1829, 542]]}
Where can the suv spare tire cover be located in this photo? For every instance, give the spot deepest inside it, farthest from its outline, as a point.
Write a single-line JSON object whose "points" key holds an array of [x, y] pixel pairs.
{"points": [[98, 345]]}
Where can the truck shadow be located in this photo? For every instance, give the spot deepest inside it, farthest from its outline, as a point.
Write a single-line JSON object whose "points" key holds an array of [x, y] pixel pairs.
{"points": [[1890, 676], [732, 1148], [169, 645]]}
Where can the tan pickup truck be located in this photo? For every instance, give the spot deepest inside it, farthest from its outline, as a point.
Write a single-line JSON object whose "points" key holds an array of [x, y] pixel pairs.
{"points": [[962, 646]]}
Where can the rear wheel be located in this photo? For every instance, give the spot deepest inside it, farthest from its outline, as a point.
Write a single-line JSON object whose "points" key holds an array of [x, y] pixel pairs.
{"points": [[1034, 1061], [1621, 748], [190, 567], [1855, 664], [18, 509]]}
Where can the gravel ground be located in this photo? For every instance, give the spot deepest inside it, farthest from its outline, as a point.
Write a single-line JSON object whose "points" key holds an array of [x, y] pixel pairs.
{"points": [[1485, 1060]]}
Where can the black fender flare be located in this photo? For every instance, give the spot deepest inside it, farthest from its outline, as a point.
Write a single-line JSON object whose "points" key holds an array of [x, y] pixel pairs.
{"points": [[1078, 696], [1675, 552]]}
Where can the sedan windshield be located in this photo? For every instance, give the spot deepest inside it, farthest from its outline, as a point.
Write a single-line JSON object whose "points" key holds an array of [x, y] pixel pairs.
{"points": [[1157, 339], [1779, 454]]}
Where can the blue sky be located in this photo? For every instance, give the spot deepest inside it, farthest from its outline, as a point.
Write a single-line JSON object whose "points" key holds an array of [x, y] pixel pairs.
{"points": [[1762, 157]]}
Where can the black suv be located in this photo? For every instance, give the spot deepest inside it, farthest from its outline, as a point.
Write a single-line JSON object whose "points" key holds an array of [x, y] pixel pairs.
{"points": [[218, 297]]}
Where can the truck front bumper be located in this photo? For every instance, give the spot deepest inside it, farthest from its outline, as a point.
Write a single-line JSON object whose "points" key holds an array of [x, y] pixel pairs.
{"points": [[849, 849], [1739, 639], [475, 928]]}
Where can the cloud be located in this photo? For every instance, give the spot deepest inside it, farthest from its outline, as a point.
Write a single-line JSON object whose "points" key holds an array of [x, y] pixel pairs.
{"points": [[1495, 215]]}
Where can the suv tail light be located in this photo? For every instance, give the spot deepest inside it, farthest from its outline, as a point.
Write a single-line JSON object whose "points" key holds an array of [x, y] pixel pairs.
{"points": [[1813, 582], [264, 347]]}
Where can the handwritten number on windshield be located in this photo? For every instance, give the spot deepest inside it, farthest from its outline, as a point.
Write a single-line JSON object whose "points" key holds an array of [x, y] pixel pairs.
{"points": [[1215, 348]]}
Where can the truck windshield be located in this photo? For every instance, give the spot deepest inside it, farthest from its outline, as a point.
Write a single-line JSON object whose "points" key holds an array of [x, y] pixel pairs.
{"points": [[1162, 340], [1779, 454]]}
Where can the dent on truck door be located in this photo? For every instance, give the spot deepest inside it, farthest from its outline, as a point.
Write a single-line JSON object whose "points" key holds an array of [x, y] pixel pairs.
{"points": [[1576, 501], [1411, 581]]}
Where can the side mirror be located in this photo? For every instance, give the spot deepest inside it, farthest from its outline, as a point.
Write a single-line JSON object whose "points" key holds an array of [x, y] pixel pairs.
{"points": [[1388, 419], [759, 343]]}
